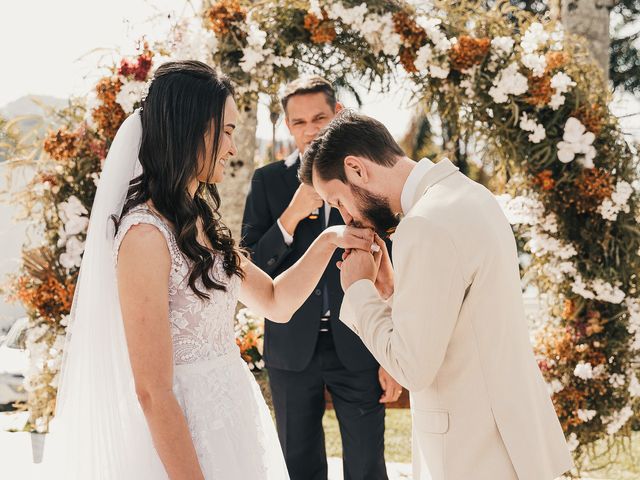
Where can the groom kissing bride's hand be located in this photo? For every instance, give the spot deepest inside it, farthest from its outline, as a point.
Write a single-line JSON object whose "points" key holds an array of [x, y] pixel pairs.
{"points": [[374, 265]]}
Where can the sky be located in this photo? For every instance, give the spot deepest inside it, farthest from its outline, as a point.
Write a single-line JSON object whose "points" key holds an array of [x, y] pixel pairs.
{"points": [[53, 47]]}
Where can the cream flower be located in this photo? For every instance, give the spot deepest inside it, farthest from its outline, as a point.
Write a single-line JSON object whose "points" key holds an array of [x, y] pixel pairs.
{"points": [[616, 421], [535, 63], [611, 207], [502, 45], [560, 82], [576, 140], [534, 38], [131, 92], [438, 72], [537, 130], [508, 82], [586, 415], [572, 442], [583, 370]]}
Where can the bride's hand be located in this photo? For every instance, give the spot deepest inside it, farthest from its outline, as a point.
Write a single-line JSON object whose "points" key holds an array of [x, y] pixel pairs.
{"points": [[348, 238]]}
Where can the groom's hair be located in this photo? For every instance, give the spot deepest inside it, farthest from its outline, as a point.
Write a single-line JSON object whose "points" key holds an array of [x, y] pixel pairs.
{"points": [[349, 133]]}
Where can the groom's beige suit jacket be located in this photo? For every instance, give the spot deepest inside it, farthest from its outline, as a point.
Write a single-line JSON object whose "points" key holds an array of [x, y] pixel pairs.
{"points": [[454, 334]]}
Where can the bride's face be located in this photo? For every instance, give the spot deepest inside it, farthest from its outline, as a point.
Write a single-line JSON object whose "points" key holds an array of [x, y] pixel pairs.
{"points": [[212, 166]]}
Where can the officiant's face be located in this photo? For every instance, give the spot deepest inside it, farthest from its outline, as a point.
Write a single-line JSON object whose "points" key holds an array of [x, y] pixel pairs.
{"points": [[306, 115], [212, 166]]}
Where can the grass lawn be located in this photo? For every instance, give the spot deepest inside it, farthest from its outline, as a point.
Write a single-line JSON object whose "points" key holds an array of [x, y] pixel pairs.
{"points": [[397, 437]]}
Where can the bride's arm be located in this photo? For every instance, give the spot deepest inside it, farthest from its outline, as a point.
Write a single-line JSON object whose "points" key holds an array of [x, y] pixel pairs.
{"points": [[143, 274], [279, 298]]}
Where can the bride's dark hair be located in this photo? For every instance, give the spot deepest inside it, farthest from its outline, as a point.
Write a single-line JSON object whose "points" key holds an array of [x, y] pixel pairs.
{"points": [[183, 98]]}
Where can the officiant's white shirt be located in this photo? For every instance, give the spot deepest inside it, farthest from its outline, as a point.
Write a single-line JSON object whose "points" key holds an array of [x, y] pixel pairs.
{"points": [[455, 334]]}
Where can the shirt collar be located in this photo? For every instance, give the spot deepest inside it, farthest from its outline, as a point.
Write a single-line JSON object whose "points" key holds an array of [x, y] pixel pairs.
{"points": [[412, 182], [291, 160]]}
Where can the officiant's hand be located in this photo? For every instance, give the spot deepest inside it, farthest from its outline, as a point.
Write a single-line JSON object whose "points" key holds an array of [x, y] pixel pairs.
{"points": [[304, 201], [357, 265], [391, 390]]}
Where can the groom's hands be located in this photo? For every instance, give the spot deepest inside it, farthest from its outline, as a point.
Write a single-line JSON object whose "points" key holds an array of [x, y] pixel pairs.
{"points": [[382, 275], [357, 265]]}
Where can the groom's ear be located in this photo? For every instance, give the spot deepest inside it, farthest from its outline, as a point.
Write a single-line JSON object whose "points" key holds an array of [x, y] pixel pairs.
{"points": [[355, 170], [339, 107]]}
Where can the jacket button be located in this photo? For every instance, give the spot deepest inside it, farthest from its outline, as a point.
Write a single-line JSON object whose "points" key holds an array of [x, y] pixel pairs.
{"points": [[271, 261], [318, 292]]}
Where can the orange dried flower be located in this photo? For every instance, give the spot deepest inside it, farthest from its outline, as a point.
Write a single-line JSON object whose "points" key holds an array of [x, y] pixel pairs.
{"points": [[592, 186], [587, 191], [566, 402], [223, 14], [108, 88], [110, 115], [108, 118], [413, 35], [46, 177], [555, 60], [590, 116], [322, 31], [62, 145], [594, 323], [468, 52], [51, 298], [407, 59], [545, 180], [540, 90]]}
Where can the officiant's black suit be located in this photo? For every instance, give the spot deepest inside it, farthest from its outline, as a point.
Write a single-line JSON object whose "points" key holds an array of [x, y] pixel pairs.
{"points": [[301, 359]]}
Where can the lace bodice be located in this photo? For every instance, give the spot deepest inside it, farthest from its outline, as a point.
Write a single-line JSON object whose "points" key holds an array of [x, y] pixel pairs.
{"points": [[201, 329]]}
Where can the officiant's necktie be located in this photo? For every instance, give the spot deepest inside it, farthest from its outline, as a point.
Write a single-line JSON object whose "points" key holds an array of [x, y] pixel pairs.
{"points": [[325, 324]]}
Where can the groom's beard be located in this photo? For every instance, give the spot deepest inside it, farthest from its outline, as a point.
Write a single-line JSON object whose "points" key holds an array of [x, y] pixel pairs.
{"points": [[376, 210]]}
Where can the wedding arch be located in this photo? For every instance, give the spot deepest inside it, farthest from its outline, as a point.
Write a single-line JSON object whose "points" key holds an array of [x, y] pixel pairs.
{"points": [[529, 96]]}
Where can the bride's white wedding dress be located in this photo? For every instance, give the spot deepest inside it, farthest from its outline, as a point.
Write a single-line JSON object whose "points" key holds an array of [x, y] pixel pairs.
{"points": [[100, 431], [230, 424]]}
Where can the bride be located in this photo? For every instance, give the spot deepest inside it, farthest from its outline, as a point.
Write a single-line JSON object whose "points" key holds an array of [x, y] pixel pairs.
{"points": [[153, 385]]}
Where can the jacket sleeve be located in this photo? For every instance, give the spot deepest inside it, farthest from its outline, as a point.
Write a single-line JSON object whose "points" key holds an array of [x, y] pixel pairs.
{"points": [[409, 335], [260, 232]]}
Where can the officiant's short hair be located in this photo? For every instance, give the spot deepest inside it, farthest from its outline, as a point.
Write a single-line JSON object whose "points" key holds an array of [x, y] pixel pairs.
{"points": [[349, 133], [306, 85]]}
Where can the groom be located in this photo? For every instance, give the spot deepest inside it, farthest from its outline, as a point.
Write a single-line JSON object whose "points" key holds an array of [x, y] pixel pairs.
{"points": [[447, 321]]}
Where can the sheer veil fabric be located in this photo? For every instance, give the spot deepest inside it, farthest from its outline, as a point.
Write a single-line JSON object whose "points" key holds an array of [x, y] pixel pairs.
{"points": [[99, 431]]}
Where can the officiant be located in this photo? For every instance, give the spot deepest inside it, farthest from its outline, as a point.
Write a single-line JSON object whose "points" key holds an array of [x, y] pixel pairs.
{"points": [[314, 350]]}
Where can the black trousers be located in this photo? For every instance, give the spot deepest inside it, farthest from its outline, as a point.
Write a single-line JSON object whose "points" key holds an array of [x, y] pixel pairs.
{"points": [[298, 400]]}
